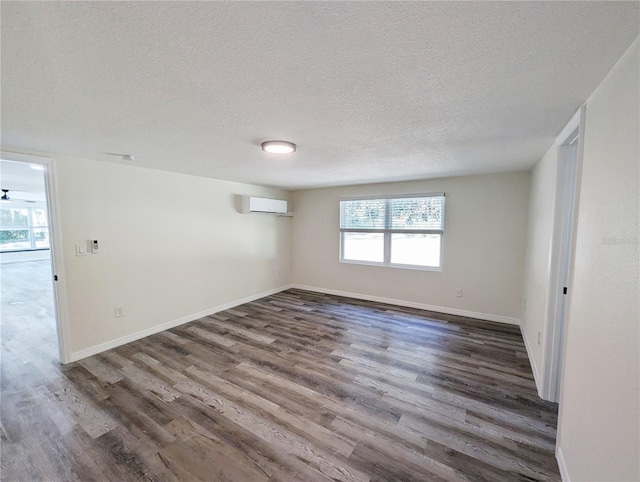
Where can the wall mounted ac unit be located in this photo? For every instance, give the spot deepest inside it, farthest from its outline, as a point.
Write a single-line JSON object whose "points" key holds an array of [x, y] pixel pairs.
{"points": [[252, 204]]}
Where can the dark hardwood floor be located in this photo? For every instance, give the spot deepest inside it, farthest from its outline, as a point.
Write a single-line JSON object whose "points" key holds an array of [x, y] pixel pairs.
{"points": [[295, 386]]}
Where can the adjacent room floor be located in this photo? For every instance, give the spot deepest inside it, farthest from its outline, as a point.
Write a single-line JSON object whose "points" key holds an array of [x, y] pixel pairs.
{"points": [[295, 386], [27, 325]]}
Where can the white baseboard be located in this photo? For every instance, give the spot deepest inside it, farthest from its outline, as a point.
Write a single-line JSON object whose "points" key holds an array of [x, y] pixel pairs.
{"points": [[562, 465], [532, 362], [93, 350], [412, 304]]}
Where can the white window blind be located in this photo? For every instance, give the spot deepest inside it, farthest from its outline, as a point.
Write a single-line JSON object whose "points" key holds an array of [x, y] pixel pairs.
{"points": [[418, 213], [363, 214]]}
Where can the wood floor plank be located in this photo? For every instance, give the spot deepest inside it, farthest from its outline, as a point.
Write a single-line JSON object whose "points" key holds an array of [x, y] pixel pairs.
{"points": [[207, 457], [295, 386], [303, 427], [278, 436]]}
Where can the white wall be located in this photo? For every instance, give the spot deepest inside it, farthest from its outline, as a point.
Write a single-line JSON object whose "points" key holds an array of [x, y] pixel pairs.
{"points": [[538, 257], [171, 246], [599, 425], [484, 244]]}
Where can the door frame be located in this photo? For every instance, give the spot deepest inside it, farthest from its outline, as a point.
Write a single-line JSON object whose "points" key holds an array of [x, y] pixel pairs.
{"points": [[61, 306], [568, 169]]}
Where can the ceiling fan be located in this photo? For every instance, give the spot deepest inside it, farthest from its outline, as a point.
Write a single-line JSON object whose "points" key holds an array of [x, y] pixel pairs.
{"points": [[5, 196]]}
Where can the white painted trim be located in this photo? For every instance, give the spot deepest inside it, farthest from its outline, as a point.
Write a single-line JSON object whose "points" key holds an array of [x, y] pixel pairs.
{"points": [[19, 157], [562, 465], [561, 248], [558, 273], [93, 350], [411, 304], [57, 260], [569, 128], [532, 361], [392, 196], [55, 230]]}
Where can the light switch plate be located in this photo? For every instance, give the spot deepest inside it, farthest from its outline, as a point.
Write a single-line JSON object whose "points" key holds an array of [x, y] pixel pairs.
{"points": [[81, 249]]}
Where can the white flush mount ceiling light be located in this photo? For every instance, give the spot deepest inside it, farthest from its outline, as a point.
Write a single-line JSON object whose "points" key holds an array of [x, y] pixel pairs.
{"points": [[279, 147]]}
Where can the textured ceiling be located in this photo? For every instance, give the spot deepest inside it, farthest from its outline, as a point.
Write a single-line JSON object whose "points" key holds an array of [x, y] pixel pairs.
{"points": [[370, 91]]}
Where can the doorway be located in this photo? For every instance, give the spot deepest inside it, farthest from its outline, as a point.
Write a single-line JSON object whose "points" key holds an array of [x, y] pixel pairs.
{"points": [[569, 150], [31, 330]]}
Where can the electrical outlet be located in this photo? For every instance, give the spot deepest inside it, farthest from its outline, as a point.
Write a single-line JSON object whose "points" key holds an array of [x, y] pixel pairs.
{"points": [[119, 310], [459, 292], [539, 338]]}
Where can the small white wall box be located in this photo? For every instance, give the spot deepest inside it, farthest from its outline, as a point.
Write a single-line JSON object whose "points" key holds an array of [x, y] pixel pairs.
{"points": [[252, 204]]}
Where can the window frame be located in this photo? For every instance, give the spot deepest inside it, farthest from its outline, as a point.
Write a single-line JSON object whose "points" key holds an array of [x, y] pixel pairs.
{"points": [[387, 232], [31, 228]]}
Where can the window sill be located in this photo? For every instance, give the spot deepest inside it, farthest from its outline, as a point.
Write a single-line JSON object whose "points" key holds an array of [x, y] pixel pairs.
{"points": [[22, 250], [396, 266]]}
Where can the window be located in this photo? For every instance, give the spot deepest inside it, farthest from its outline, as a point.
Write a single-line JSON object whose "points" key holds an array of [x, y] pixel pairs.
{"points": [[404, 232], [23, 228]]}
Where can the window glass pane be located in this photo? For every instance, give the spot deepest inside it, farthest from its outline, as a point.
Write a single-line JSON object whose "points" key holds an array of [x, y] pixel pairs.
{"points": [[41, 237], [363, 247], [14, 239], [417, 212], [363, 214], [416, 249], [39, 217], [12, 217]]}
